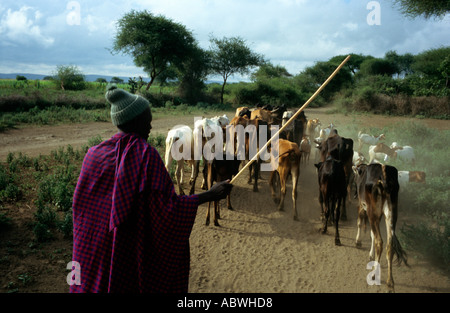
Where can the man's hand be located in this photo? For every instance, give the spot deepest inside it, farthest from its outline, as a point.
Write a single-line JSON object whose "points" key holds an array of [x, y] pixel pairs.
{"points": [[217, 192]]}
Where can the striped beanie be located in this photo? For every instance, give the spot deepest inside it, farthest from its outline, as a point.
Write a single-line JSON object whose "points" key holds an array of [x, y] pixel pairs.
{"points": [[124, 105]]}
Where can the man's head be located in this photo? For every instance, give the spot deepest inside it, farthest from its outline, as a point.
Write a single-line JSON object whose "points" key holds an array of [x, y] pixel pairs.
{"points": [[130, 113]]}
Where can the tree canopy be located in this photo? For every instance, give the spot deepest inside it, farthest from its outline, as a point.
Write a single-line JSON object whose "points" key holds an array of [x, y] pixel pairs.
{"points": [[154, 42], [427, 8], [230, 56]]}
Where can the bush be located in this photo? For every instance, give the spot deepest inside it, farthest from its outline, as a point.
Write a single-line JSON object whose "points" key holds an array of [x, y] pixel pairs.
{"points": [[430, 238], [69, 77]]}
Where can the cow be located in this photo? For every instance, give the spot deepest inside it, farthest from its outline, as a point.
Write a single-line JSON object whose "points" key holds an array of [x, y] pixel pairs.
{"points": [[341, 149], [217, 171], [378, 189], [406, 177], [204, 130], [181, 137], [251, 140], [295, 130], [333, 191], [289, 156], [305, 148], [312, 128]]}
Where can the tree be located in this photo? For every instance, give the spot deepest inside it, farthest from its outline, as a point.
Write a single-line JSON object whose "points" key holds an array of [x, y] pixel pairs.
{"points": [[101, 80], [402, 62], [354, 63], [231, 56], [154, 42], [69, 77], [268, 70], [192, 75], [428, 62], [427, 8], [320, 71], [116, 80], [378, 67]]}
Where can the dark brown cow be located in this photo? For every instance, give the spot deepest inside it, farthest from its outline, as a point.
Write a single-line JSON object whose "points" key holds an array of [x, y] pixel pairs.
{"points": [[378, 189], [217, 171], [333, 192], [339, 148]]}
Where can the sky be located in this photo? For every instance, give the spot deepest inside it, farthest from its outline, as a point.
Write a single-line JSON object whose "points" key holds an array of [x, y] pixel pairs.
{"points": [[37, 36]]}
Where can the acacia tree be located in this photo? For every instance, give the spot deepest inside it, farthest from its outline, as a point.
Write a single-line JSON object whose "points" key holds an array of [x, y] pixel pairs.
{"points": [[427, 8], [154, 42], [69, 77], [229, 56]]}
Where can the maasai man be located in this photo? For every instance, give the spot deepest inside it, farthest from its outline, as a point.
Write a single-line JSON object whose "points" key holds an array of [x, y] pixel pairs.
{"points": [[130, 229]]}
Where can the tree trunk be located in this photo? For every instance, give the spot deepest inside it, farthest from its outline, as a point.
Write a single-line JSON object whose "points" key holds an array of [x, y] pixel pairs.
{"points": [[150, 83], [223, 90]]}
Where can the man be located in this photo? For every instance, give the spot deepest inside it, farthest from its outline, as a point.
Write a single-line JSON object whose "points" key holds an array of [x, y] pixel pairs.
{"points": [[130, 229]]}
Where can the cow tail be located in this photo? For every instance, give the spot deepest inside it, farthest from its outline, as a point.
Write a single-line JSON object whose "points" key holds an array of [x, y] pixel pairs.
{"points": [[392, 188]]}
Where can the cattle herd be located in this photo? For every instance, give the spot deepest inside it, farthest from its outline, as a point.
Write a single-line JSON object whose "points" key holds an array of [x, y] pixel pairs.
{"points": [[342, 171]]}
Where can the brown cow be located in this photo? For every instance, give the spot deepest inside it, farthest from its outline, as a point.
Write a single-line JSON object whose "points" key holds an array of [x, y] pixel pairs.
{"points": [[333, 192], [378, 189], [288, 163], [251, 139]]}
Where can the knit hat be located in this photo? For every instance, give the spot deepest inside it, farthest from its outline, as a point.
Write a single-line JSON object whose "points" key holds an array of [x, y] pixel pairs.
{"points": [[124, 105]]}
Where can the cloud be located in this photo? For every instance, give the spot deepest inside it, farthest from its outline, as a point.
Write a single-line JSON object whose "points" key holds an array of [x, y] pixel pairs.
{"points": [[291, 33], [19, 27]]}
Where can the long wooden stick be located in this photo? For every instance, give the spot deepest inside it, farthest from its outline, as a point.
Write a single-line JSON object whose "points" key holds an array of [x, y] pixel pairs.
{"points": [[292, 118]]}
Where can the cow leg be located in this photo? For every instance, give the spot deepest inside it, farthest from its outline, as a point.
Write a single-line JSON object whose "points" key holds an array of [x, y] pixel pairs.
{"points": [[389, 247], [283, 177], [229, 203], [362, 215], [178, 178], [322, 212], [273, 183], [295, 174], [208, 214], [326, 215], [250, 173], [194, 175], [216, 213], [377, 241], [337, 240], [206, 168], [255, 175]]}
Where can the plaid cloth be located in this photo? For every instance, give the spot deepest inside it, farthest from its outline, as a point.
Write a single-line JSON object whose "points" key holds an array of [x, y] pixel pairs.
{"points": [[130, 229]]}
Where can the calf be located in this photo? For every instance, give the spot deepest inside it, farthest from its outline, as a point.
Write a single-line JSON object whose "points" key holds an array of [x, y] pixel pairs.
{"points": [[217, 171], [378, 188], [406, 177], [305, 148], [288, 164], [333, 192]]}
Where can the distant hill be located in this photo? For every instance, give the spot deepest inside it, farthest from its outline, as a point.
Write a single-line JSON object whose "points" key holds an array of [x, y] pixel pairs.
{"points": [[93, 77], [89, 78]]}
